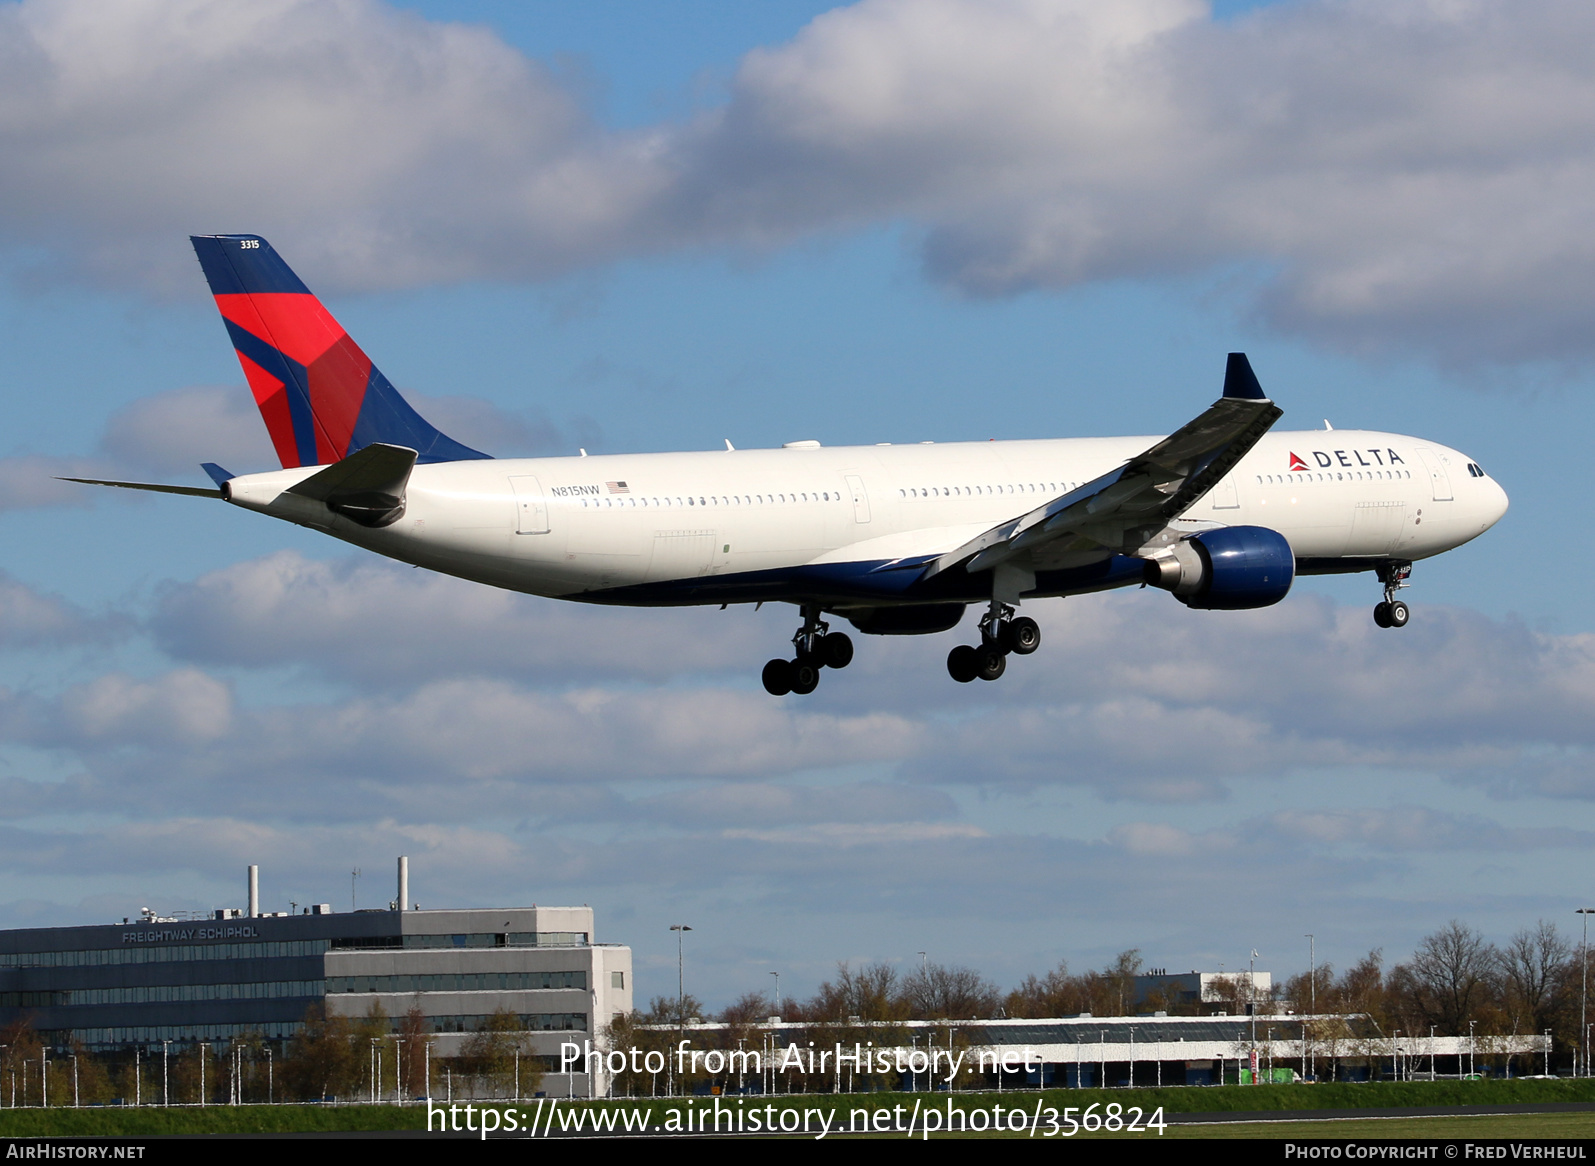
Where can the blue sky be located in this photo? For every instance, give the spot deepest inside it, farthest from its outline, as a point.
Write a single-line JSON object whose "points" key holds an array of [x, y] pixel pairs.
{"points": [[633, 227]]}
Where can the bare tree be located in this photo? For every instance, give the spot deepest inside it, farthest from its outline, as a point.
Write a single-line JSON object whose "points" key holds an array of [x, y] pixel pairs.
{"points": [[871, 993], [936, 992], [1055, 994], [1534, 964], [1448, 978], [671, 1010], [1310, 989], [488, 1056], [411, 1049], [322, 1060], [1120, 976], [750, 1008]]}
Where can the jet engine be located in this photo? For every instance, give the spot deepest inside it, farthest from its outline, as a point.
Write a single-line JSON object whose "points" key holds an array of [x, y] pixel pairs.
{"points": [[1227, 569]]}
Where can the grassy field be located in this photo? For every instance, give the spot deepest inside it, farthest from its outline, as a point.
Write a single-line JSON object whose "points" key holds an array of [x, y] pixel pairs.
{"points": [[1232, 1099]]}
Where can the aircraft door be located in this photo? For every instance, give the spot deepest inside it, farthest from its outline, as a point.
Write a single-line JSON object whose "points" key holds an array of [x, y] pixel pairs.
{"points": [[1438, 478], [1375, 527], [855, 487], [531, 507]]}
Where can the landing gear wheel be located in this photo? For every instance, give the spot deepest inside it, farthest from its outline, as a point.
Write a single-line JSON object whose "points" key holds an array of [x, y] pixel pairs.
{"points": [[990, 663], [805, 676], [836, 650], [962, 664], [778, 677], [1023, 636], [1392, 613]]}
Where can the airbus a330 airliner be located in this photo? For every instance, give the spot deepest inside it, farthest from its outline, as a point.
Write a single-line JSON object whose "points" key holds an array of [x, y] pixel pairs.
{"points": [[894, 539]]}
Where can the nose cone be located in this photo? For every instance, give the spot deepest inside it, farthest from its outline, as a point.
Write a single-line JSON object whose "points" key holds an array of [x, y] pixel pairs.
{"points": [[1492, 503]]}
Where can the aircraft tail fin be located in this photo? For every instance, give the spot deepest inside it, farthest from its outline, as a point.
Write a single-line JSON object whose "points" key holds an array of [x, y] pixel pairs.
{"points": [[321, 397]]}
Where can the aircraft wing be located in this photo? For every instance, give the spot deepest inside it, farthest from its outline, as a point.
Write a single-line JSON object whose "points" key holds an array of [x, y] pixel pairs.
{"points": [[1124, 509]]}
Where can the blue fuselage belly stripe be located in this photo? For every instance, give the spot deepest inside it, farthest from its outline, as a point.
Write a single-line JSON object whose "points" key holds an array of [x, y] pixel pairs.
{"points": [[859, 583]]}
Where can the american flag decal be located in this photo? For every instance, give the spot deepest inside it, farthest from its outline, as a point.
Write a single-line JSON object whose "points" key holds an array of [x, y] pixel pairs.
{"points": [[618, 488]]}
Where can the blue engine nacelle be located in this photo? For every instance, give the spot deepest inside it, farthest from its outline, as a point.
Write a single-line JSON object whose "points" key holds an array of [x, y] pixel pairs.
{"points": [[1228, 569]]}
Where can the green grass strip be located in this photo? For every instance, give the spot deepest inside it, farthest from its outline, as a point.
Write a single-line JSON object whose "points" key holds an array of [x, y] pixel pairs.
{"points": [[246, 1119]]}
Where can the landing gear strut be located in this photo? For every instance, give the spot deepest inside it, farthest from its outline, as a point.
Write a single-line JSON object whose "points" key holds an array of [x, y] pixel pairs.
{"points": [[1000, 634], [815, 647], [1392, 613]]}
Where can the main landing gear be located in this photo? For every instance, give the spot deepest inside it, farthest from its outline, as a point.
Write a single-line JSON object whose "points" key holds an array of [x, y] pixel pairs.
{"points": [[1000, 634], [816, 647], [1392, 613]]}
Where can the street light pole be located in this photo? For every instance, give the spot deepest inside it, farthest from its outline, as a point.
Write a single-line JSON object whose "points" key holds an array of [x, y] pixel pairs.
{"points": [[1251, 996], [1583, 994], [1312, 1006], [777, 976], [681, 982]]}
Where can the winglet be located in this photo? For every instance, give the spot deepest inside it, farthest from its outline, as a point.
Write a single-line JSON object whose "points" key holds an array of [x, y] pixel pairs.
{"points": [[215, 473], [1240, 381]]}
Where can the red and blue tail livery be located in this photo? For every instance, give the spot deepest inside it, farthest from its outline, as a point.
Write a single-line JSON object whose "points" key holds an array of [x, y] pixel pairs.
{"points": [[321, 397]]}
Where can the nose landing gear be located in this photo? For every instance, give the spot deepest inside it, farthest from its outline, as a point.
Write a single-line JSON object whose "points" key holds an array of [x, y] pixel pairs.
{"points": [[1000, 635], [816, 647], [1392, 613]]}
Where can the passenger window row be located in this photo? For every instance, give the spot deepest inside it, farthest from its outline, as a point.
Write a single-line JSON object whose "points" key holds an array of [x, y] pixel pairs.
{"points": [[682, 501]]}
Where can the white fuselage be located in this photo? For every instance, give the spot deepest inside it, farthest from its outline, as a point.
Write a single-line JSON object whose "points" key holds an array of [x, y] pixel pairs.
{"points": [[691, 527]]}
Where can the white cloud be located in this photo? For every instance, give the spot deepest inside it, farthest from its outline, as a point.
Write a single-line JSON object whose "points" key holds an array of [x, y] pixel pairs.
{"points": [[1407, 174], [166, 437], [479, 746], [390, 149], [29, 619], [383, 625]]}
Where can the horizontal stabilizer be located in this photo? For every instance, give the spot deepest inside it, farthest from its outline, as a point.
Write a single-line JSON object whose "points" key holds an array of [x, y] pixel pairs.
{"points": [[196, 491], [366, 487]]}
